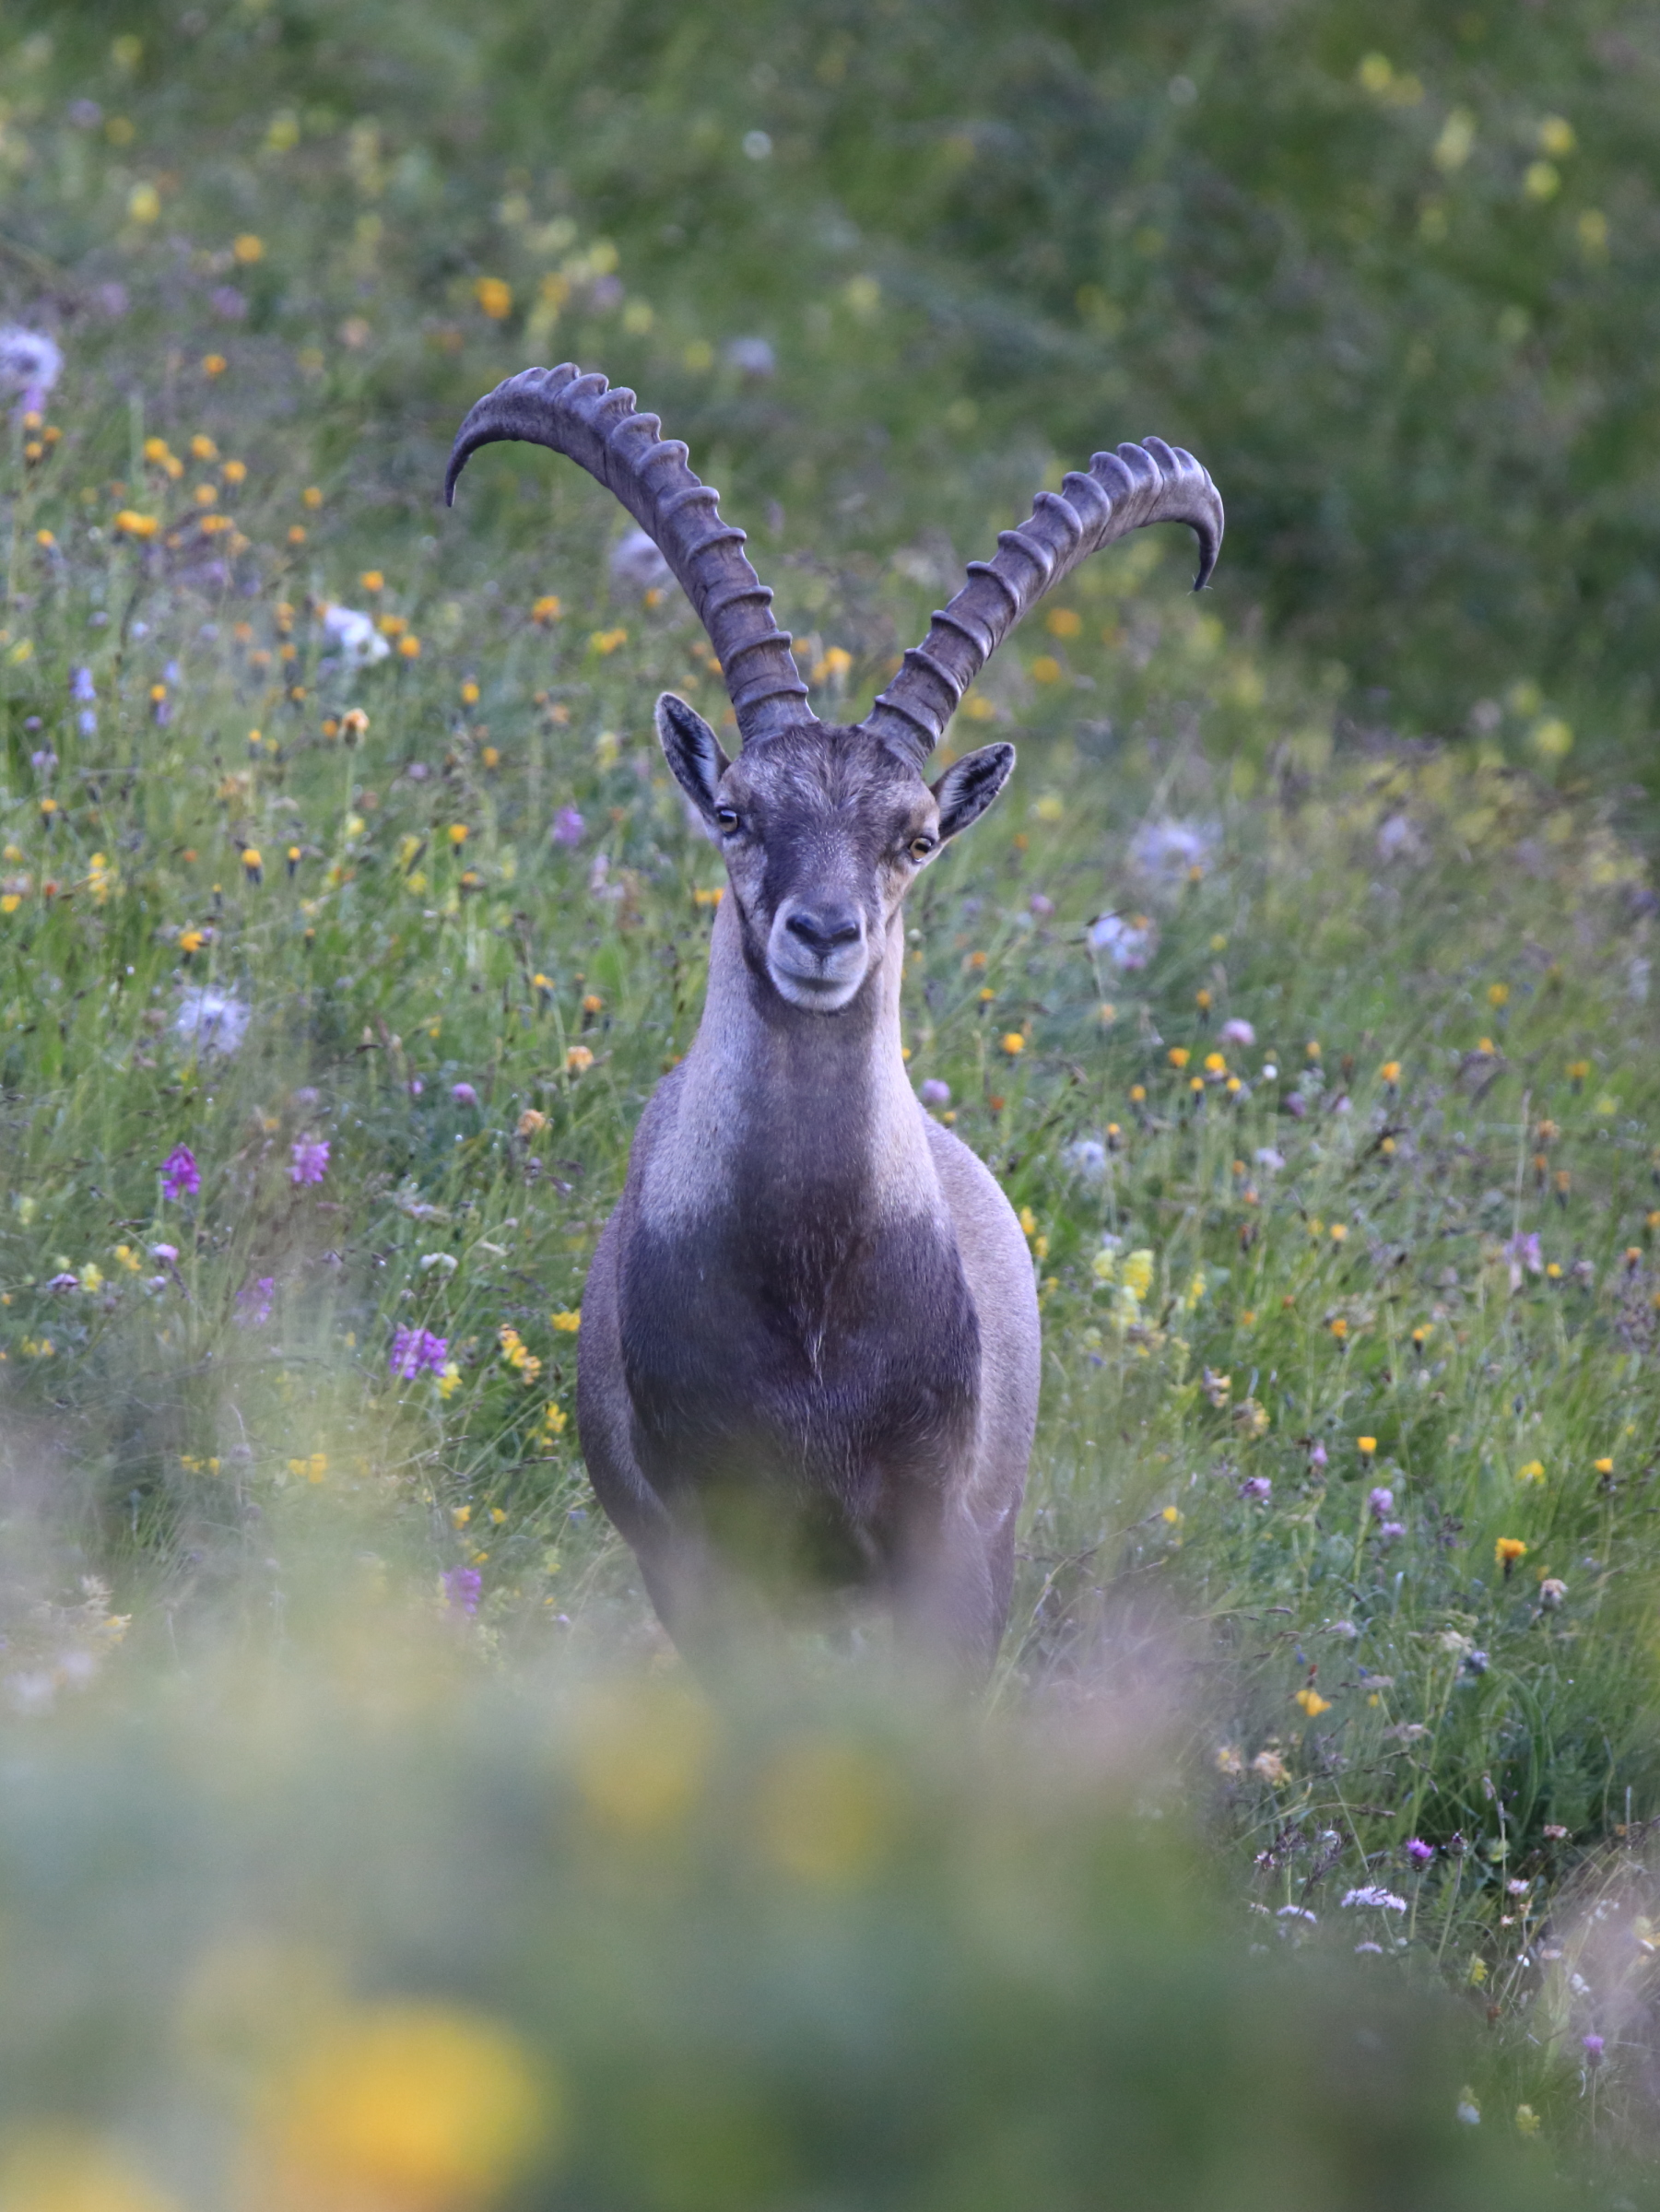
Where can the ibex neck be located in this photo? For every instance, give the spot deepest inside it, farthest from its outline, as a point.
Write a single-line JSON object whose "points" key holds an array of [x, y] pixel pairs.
{"points": [[811, 1108]]}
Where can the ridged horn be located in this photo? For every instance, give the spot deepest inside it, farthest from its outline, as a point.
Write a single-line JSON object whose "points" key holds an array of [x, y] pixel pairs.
{"points": [[1138, 484], [581, 416]]}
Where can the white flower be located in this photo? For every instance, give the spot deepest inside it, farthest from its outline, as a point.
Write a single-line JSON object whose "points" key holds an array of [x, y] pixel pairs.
{"points": [[445, 1261], [1269, 1160], [1128, 943], [1167, 852], [754, 357], [29, 365], [210, 1021], [361, 642], [638, 566], [1385, 1900], [1087, 1156]]}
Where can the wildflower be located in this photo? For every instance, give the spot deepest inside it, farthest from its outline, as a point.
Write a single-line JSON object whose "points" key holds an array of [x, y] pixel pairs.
{"points": [[1468, 2110], [1227, 1761], [253, 1302], [933, 1092], [1129, 944], [1216, 1387], [252, 865], [1313, 1704], [1553, 1593], [1507, 1551], [166, 1254], [1256, 1489], [1250, 1419], [1418, 1851], [449, 1383], [495, 296], [1522, 1252], [567, 1321], [1533, 1472], [132, 525], [1605, 1467], [1389, 1073], [1235, 1031], [309, 1158], [531, 1121], [1271, 1767], [1366, 1446], [1013, 1043], [1169, 851], [1593, 2047], [1381, 1504], [578, 1060], [1373, 1893], [555, 1419], [30, 364], [568, 826], [1269, 1160], [1171, 1514], [180, 1177], [65, 1281], [461, 1587], [359, 642], [463, 1094], [409, 648], [1527, 2121], [417, 1351]]}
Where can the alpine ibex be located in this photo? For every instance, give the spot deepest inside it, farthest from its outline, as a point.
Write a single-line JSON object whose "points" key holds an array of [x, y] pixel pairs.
{"points": [[810, 1328]]}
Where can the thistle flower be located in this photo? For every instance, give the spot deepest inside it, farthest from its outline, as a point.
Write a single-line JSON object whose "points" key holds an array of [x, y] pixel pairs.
{"points": [[1256, 1489], [1381, 1504], [1373, 1893], [30, 364], [180, 1177], [1418, 1851], [1129, 944], [210, 1021], [461, 1587], [568, 826], [463, 1094], [308, 1159], [1169, 851], [933, 1092], [1236, 1031]]}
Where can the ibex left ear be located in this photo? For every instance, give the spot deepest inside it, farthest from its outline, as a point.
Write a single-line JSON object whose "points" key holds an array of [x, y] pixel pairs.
{"points": [[692, 750], [969, 787]]}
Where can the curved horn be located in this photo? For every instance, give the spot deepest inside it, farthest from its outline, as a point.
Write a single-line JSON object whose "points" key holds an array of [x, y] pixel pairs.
{"points": [[1154, 483], [581, 416]]}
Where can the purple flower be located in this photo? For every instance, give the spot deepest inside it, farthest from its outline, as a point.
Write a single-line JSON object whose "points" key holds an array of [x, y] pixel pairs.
{"points": [[81, 688], [1418, 1851], [311, 1160], [1524, 1252], [1236, 1031], [1042, 907], [568, 826], [1295, 1104], [307, 1096], [180, 1177], [936, 1093], [44, 761], [169, 1252], [1256, 1489], [1392, 1532], [412, 1350], [64, 1282], [463, 1094], [1381, 1503], [1591, 2046], [461, 1588], [1317, 1457], [253, 1302], [1374, 1894], [416, 1086]]}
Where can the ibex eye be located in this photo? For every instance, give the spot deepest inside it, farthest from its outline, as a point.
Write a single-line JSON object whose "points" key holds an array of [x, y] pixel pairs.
{"points": [[726, 817], [921, 847]]}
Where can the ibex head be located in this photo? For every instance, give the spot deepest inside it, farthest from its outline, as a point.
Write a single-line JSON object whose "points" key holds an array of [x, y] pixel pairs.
{"points": [[824, 827]]}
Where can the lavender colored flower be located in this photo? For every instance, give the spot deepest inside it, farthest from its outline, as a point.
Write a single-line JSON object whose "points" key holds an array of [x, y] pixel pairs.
{"points": [[180, 1177], [415, 1350], [1128, 944], [86, 722], [29, 365], [82, 688], [64, 1282], [568, 826], [933, 1092], [1418, 1851], [1256, 1489], [1042, 907], [463, 1094], [1391, 1532], [1376, 1949], [307, 1096], [44, 761], [253, 1302], [1381, 1503], [1592, 2045], [1237, 1031], [1295, 1104], [310, 1156], [1373, 1893], [226, 300], [1317, 1456], [168, 1253], [462, 1586], [416, 1086]]}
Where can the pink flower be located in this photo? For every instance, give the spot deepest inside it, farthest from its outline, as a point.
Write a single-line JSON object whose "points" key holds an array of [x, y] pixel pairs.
{"points": [[180, 1177], [568, 826], [463, 1094], [1235, 1031], [310, 1160], [936, 1093], [415, 1349]]}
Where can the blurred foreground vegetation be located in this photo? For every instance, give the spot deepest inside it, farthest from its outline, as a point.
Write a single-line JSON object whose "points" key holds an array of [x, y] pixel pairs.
{"points": [[347, 919]]}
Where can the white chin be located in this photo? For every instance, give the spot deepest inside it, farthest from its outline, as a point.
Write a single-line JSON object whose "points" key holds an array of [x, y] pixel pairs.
{"points": [[828, 995]]}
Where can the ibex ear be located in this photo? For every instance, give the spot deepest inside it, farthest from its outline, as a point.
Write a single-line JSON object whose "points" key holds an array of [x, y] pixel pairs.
{"points": [[969, 787], [692, 750]]}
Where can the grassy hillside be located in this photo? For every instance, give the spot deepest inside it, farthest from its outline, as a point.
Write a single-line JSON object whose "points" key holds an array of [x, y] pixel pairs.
{"points": [[347, 919]]}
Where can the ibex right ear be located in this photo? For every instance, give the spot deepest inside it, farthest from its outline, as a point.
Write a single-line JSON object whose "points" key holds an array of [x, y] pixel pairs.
{"points": [[692, 750]]}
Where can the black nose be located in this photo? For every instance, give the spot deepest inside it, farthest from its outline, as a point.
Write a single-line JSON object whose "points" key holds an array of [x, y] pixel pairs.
{"points": [[822, 931]]}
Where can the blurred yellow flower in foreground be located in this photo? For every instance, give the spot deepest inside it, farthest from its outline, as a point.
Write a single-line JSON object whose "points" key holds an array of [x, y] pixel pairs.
{"points": [[53, 2171], [1312, 1703], [495, 296], [400, 2108], [642, 1760], [826, 1812]]}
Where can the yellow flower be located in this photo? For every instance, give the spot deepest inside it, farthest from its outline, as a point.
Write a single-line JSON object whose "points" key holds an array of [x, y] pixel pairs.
{"points": [[235, 472], [578, 1060], [404, 2107], [1528, 2120], [410, 648], [56, 2169], [1312, 1703], [554, 1419], [449, 1383], [1366, 1445], [1508, 1550], [144, 203], [495, 296], [547, 609], [92, 1277], [1339, 1232], [460, 1515], [567, 1321], [1014, 1044], [1602, 1466], [248, 249], [214, 364], [458, 833], [1390, 1072], [1534, 1472], [1045, 669], [132, 524], [1173, 1513], [1179, 1056], [531, 1120]]}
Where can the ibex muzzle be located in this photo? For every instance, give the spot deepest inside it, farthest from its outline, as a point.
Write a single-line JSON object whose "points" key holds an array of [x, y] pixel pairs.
{"points": [[811, 1331]]}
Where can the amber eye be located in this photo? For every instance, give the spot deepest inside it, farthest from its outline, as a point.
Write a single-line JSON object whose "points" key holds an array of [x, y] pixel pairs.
{"points": [[727, 818], [921, 847]]}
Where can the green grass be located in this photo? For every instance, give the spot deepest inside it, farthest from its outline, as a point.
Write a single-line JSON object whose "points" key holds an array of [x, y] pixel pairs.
{"points": [[1442, 953]]}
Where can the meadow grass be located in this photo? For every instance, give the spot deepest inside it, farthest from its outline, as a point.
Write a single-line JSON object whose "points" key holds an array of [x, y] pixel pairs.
{"points": [[1319, 1065]]}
